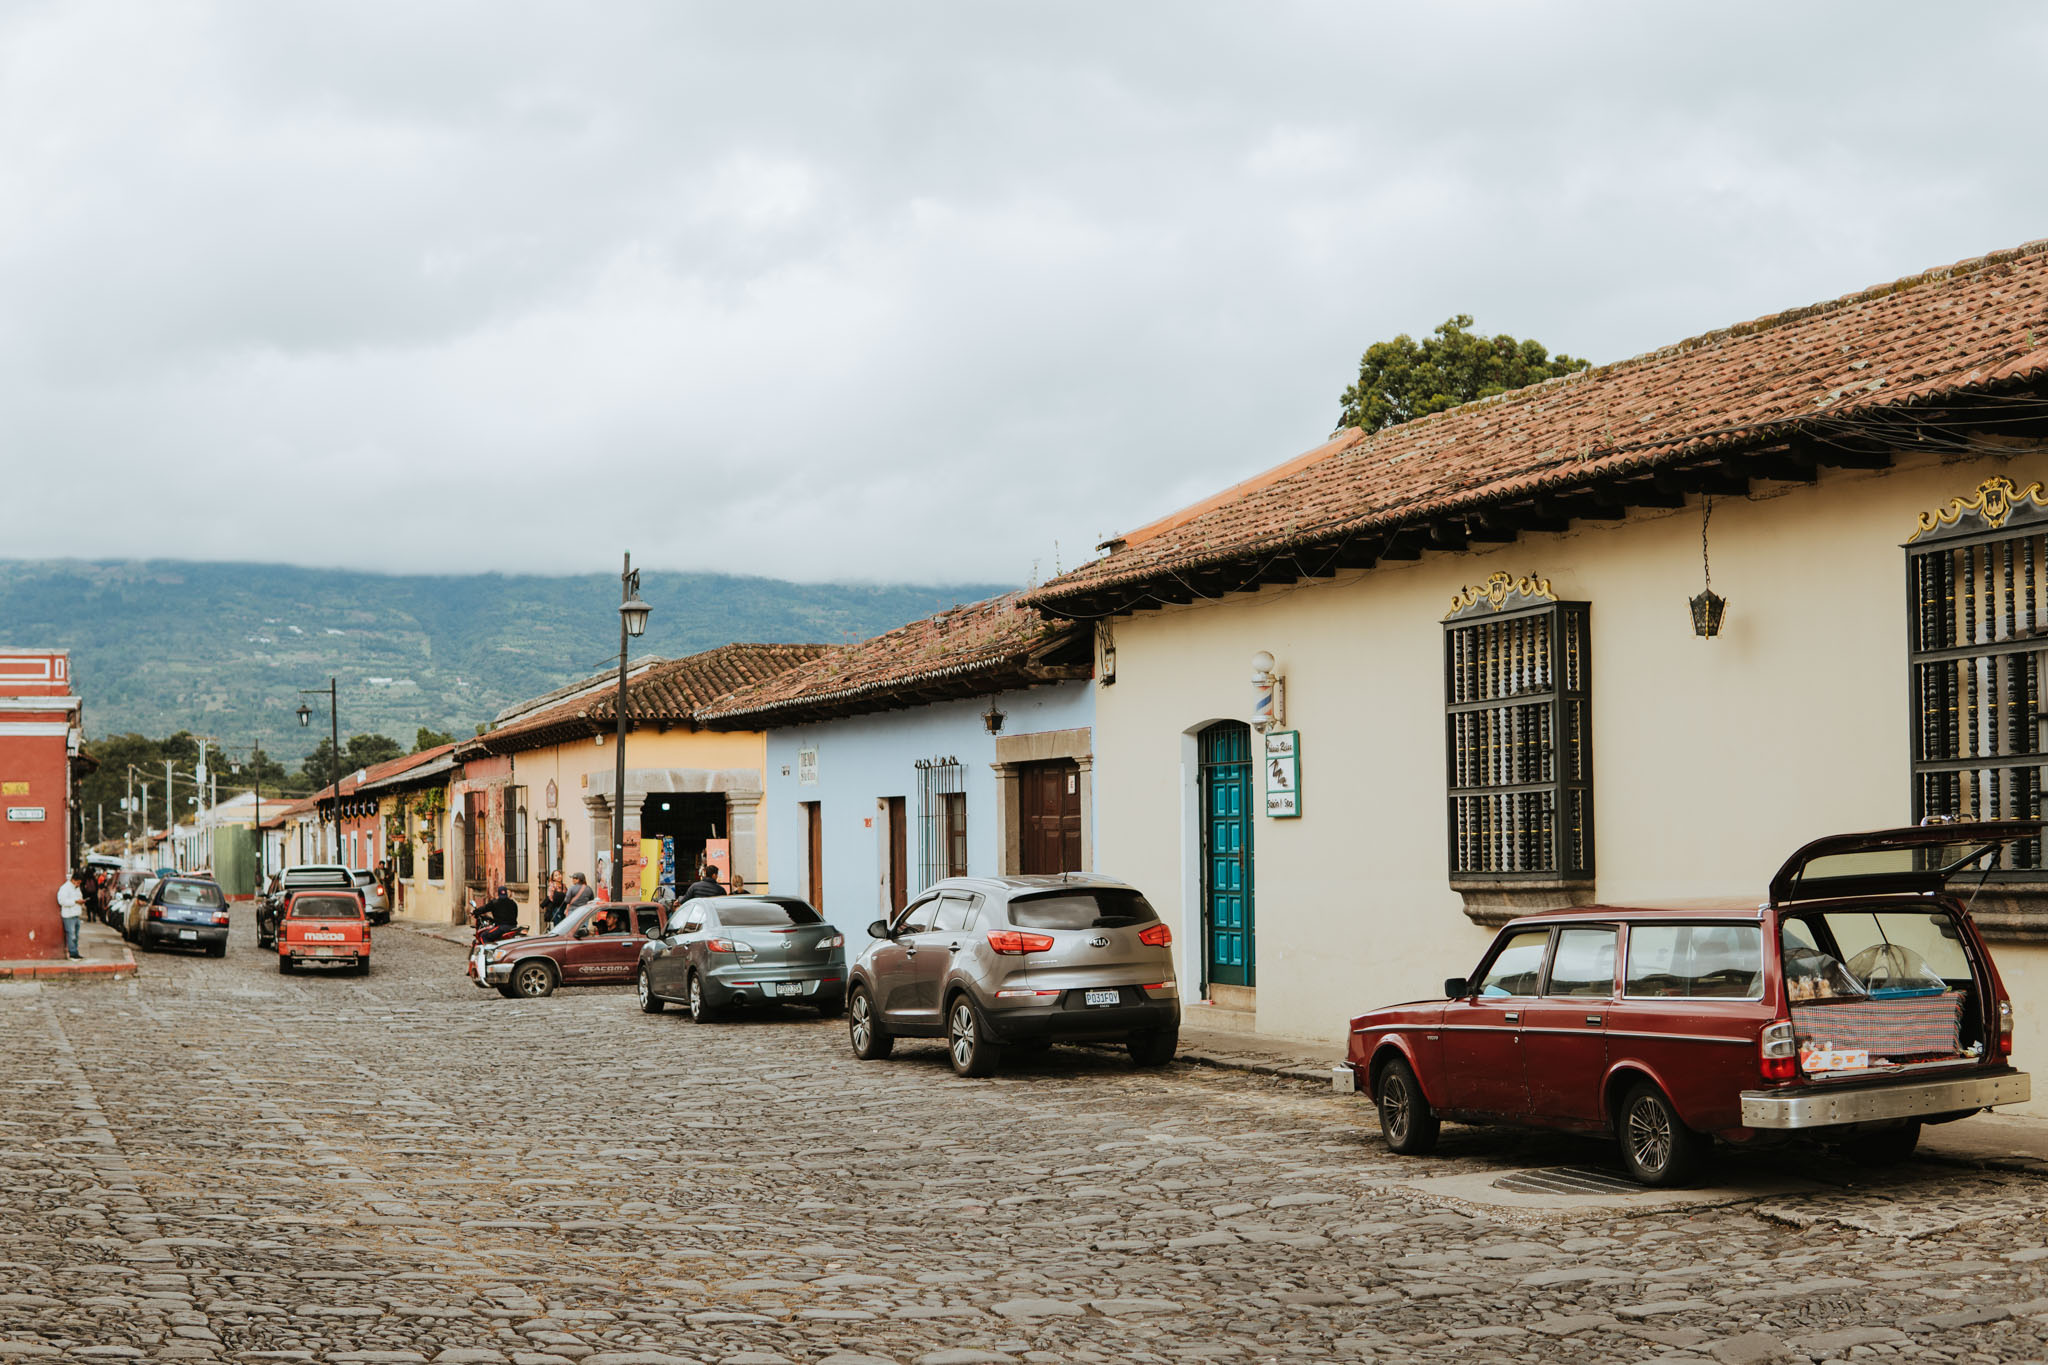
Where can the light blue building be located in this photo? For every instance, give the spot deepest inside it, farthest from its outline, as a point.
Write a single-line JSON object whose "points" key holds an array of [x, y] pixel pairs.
{"points": [[957, 745]]}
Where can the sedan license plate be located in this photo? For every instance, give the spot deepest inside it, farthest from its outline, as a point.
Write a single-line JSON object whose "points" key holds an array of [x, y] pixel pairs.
{"points": [[188, 933], [789, 988], [1103, 998]]}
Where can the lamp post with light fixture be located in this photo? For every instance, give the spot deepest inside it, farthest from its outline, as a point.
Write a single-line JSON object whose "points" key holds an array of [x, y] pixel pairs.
{"points": [[632, 621], [334, 720]]}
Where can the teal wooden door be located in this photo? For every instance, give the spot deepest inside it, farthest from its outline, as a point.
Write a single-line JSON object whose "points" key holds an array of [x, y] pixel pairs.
{"points": [[1226, 765]]}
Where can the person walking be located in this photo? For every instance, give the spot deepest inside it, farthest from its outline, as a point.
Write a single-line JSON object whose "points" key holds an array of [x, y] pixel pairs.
{"points": [[70, 906], [705, 885], [580, 895]]}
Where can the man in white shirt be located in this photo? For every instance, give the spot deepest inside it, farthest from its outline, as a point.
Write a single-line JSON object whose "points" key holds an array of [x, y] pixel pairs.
{"points": [[70, 905]]}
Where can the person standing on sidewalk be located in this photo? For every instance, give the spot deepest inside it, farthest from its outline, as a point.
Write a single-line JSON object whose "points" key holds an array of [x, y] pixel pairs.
{"points": [[71, 905]]}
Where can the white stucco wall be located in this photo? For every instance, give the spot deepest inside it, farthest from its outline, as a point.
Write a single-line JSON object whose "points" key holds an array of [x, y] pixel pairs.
{"points": [[1712, 759], [864, 759]]}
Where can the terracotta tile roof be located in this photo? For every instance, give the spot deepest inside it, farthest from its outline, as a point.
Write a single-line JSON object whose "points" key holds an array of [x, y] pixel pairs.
{"points": [[1832, 371], [378, 772], [965, 651], [670, 692]]}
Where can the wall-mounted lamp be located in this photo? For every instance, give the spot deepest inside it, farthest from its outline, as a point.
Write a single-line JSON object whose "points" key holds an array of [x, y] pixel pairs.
{"points": [[1269, 693], [1709, 606], [993, 719]]}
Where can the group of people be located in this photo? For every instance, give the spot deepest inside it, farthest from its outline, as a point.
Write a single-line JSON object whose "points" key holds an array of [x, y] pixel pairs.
{"points": [[563, 897]]}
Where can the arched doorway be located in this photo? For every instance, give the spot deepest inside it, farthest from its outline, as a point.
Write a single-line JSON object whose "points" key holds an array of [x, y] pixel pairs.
{"points": [[1225, 753]]}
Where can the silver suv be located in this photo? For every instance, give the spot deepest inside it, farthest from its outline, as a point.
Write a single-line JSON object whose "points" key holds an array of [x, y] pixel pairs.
{"points": [[994, 962]]}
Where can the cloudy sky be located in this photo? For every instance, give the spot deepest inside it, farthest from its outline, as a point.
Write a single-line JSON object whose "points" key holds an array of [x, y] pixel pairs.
{"points": [[886, 291]]}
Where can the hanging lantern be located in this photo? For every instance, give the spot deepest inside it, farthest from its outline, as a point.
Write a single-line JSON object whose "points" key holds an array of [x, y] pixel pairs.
{"points": [[1709, 606]]}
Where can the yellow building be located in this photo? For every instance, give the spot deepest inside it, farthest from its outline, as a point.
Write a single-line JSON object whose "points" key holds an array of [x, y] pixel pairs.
{"points": [[535, 795], [1491, 693]]}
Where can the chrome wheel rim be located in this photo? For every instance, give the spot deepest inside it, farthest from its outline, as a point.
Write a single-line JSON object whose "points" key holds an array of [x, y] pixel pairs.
{"points": [[646, 991], [963, 1034], [532, 981], [1649, 1135], [1394, 1106], [696, 998], [859, 1024]]}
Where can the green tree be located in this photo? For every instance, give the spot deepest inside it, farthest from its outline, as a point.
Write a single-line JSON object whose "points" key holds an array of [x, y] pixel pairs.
{"points": [[1405, 378], [358, 751], [430, 739]]}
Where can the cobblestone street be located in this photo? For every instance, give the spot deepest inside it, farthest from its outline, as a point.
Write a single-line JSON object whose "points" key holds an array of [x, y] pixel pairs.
{"points": [[217, 1162]]}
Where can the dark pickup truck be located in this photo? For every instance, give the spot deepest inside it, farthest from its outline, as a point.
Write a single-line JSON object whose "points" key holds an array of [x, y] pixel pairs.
{"points": [[311, 877]]}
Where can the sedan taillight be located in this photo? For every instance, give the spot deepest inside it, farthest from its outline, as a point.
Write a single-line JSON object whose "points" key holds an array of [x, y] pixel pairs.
{"points": [[1778, 1051], [723, 945], [220, 917], [1155, 936], [836, 941], [156, 912], [1015, 942], [2005, 1028]]}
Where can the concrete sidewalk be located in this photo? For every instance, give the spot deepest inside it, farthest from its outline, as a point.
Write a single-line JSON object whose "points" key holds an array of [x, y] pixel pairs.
{"points": [[103, 956], [2001, 1141]]}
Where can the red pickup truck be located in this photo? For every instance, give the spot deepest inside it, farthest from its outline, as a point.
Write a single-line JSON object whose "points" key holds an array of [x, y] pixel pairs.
{"points": [[323, 928]]}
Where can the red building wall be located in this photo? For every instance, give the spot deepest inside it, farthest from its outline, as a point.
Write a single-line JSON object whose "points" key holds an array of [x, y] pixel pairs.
{"points": [[38, 721]]}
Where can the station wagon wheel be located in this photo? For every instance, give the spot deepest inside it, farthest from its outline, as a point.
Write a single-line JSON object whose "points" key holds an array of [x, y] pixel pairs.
{"points": [[970, 1051], [1656, 1146], [533, 980], [863, 1029], [1407, 1122], [649, 1001]]}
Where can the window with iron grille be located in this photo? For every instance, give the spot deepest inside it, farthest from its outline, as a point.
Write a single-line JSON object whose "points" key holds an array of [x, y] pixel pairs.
{"points": [[941, 820], [1977, 590], [1518, 734], [515, 834], [472, 834]]}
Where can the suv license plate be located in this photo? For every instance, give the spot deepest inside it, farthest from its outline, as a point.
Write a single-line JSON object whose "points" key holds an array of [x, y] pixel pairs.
{"points": [[789, 988], [1104, 997], [188, 933]]}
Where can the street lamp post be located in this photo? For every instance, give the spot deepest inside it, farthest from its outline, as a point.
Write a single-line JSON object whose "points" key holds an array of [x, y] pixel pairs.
{"points": [[334, 725], [632, 621]]}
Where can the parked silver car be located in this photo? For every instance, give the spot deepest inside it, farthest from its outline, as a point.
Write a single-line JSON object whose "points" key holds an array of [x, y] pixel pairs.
{"points": [[719, 951], [994, 962]]}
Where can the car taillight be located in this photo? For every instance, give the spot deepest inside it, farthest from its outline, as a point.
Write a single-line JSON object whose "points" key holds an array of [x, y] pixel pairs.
{"points": [[220, 917], [1016, 942], [836, 941], [2005, 1028], [1155, 936], [1778, 1051], [723, 945], [156, 912]]}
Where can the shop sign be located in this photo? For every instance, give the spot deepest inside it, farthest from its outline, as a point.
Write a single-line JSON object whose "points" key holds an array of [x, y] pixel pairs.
{"points": [[807, 767], [1283, 774], [13, 789], [28, 814]]}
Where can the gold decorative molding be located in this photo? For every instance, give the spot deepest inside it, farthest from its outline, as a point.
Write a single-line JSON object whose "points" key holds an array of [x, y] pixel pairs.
{"points": [[1995, 500], [1499, 587]]}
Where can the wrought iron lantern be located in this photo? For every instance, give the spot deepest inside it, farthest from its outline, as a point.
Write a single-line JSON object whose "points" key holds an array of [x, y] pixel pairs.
{"points": [[993, 719], [1708, 606]]}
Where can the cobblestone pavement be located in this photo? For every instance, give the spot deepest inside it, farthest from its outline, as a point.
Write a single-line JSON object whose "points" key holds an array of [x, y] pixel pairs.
{"points": [[219, 1163]]}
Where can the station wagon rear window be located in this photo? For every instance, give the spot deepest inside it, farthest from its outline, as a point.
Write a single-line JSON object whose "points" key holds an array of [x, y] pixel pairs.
{"points": [[191, 893], [326, 907], [1696, 961], [1105, 907]]}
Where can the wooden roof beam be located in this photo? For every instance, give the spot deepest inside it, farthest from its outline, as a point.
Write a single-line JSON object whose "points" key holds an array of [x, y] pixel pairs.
{"points": [[1716, 479]]}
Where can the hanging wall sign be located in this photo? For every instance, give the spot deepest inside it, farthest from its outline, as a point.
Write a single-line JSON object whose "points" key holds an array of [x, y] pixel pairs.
{"points": [[1283, 774], [26, 814], [807, 767]]}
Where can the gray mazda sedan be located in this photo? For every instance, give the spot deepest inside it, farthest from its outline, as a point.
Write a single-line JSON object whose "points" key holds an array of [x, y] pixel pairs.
{"points": [[994, 962], [720, 951]]}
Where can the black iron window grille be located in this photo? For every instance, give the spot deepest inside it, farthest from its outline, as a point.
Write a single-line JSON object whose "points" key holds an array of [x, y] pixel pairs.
{"points": [[515, 834], [941, 820], [1518, 734], [472, 837], [1977, 594]]}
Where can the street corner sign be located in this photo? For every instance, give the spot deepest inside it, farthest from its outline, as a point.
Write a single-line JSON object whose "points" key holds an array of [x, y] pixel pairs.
{"points": [[25, 814], [1283, 774]]}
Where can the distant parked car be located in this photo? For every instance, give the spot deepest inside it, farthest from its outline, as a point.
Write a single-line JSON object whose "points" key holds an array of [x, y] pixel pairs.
{"points": [[125, 884], [305, 877], [1856, 1004], [323, 928], [185, 912], [991, 962], [720, 951], [135, 908], [598, 945], [375, 903]]}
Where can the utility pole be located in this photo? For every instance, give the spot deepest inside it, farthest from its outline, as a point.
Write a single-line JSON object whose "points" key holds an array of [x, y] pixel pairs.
{"points": [[170, 815]]}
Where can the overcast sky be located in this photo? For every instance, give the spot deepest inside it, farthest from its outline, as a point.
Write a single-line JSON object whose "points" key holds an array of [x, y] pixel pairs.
{"points": [[876, 291]]}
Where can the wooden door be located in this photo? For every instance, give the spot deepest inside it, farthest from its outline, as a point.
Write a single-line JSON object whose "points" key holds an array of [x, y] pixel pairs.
{"points": [[1049, 818], [1226, 795], [814, 834], [899, 855]]}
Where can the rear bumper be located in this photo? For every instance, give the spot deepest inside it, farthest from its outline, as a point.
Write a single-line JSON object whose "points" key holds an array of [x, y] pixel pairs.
{"points": [[750, 981], [318, 952], [1035, 1023], [156, 933], [1837, 1105]]}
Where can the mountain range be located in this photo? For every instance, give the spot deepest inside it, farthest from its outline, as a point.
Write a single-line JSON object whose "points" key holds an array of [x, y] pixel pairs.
{"points": [[224, 649]]}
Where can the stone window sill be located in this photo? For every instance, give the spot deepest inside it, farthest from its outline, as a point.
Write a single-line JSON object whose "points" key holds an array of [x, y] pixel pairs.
{"points": [[1492, 903]]}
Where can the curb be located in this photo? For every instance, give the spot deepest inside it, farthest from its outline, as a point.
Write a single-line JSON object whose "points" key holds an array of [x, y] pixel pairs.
{"points": [[121, 970]]}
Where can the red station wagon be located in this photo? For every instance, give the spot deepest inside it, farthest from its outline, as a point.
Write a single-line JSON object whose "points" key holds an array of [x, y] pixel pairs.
{"points": [[1859, 1002], [323, 928]]}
